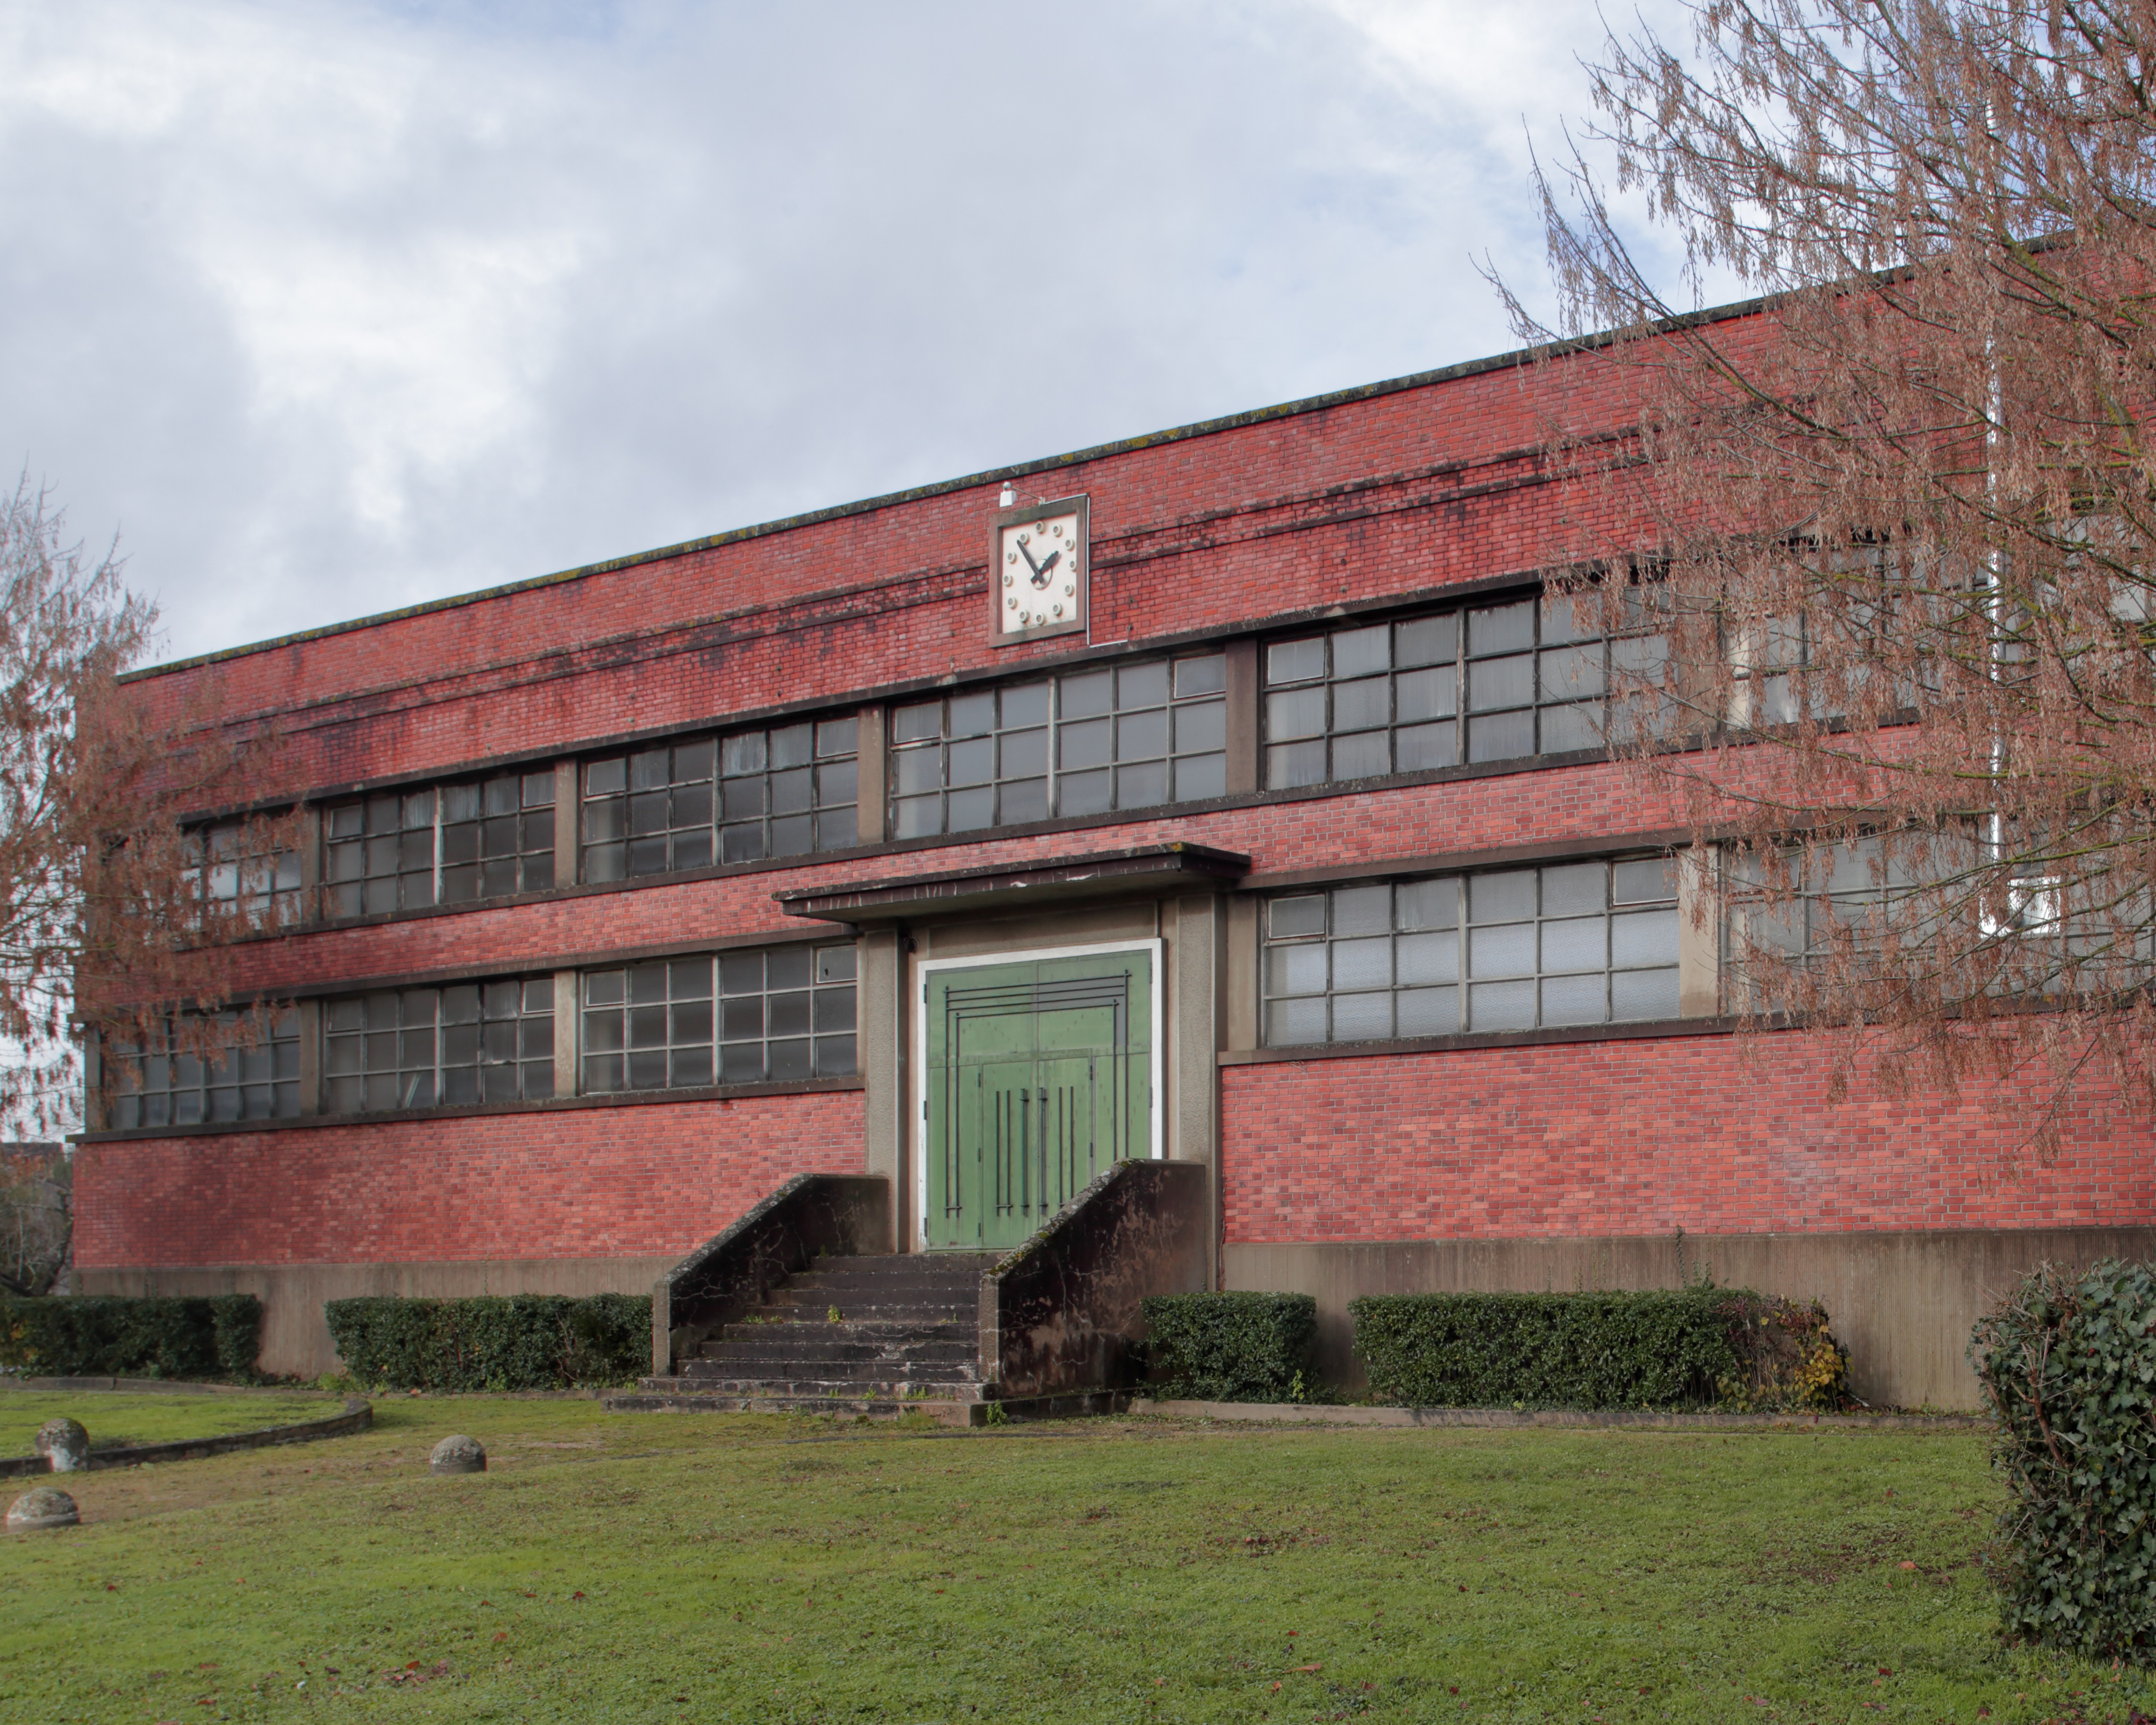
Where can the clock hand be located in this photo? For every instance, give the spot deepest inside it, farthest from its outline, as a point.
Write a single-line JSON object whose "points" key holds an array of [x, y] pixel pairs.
{"points": [[1040, 570], [1029, 562]]}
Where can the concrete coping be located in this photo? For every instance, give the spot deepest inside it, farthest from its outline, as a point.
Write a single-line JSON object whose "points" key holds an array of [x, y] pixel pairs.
{"points": [[357, 1416]]}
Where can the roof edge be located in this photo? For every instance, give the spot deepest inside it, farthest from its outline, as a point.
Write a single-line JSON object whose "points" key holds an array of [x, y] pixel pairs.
{"points": [[1519, 357]]}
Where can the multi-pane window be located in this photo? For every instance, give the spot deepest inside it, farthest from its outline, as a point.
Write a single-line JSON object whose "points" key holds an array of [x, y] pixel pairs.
{"points": [[233, 872], [784, 791], [749, 1016], [426, 1048], [405, 850], [1116, 737], [1522, 949], [1492, 682], [255, 1076]]}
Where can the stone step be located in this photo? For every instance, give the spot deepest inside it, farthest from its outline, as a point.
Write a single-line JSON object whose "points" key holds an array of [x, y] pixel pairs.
{"points": [[749, 1357], [792, 1330], [946, 1386], [810, 1287], [870, 1311]]}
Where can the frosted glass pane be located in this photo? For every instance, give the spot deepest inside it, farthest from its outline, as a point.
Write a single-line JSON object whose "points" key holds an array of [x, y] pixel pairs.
{"points": [[1502, 1006], [1362, 964], [1291, 1022], [1427, 1012], [1428, 904], [1368, 755], [1579, 943], [1636, 995], [1429, 957], [1294, 764], [1362, 909], [1362, 1018], [1505, 951], [1501, 898], [1643, 938], [1296, 970], [1574, 1000], [1573, 889]]}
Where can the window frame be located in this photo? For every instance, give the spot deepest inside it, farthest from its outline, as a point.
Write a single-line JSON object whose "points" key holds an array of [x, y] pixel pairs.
{"points": [[685, 1027], [931, 779], [349, 1024], [1456, 980], [1441, 696], [350, 857], [278, 1073], [607, 816]]}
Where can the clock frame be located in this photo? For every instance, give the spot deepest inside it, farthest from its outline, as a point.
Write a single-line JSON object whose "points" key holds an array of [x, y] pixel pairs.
{"points": [[1056, 530]]}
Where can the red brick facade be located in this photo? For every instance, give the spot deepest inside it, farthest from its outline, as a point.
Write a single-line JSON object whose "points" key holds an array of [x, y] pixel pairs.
{"points": [[1711, 1134], [1201, 538]]}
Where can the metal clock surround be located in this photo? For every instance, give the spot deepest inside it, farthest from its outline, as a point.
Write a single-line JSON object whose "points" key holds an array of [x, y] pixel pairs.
{"points": [[1039, 564]]}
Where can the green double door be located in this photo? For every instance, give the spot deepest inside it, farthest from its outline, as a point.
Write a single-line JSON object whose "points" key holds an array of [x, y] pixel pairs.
{"points": [[1039, 1074]]}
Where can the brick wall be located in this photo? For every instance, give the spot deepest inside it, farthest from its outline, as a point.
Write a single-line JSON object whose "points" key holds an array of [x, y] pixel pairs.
{"points": [[1712, 1134], [582, 1183]]}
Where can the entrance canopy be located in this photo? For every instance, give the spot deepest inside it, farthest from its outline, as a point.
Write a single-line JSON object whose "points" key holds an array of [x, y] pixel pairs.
{"points": [[1148, 870]]}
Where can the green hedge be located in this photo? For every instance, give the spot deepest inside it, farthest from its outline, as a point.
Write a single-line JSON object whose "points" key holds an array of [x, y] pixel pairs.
{"points": [[1230, 1348], [101, 1336], [1695, 1347], [2067, 1364], [521, 1342]]}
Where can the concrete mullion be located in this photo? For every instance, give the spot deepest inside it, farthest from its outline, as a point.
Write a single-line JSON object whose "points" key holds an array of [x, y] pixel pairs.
{"points": [[568, 1033], [1242, 716], [869, 764], [566, 863]]}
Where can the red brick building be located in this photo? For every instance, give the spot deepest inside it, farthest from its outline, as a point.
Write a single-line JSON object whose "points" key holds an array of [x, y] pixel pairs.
{"points": [[1229, 795]]}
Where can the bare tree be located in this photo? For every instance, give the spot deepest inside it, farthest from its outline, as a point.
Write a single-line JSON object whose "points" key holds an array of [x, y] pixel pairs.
{"points": [[1893, 538], [37, 1223], [116, 911]]}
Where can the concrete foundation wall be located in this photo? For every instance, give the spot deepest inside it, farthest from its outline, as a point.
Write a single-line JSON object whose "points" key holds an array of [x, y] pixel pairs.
{"points": [[1903, 1303], [295, 1340]]}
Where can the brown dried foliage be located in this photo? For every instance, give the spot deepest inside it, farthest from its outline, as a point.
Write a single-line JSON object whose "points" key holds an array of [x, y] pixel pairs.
{"points": [[103, 922], [1900, 529]]}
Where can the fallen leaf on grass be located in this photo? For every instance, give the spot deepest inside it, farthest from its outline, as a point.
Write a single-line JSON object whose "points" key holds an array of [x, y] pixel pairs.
{"points": [[1310, 1667], [501, 1635]]}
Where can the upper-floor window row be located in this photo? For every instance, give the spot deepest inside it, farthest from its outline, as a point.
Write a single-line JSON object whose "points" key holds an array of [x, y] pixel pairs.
{"points": [[1091, 741], [444, 844], [1473, 683]]}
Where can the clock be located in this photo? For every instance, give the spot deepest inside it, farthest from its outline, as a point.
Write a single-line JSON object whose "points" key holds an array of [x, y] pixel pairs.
{"points": [[1037, 579]]}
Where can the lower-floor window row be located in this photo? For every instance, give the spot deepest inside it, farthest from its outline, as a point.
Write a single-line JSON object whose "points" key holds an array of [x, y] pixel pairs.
{"points": [[250, 1071], [428, 1048], [1516, 949], [760, 1016]]}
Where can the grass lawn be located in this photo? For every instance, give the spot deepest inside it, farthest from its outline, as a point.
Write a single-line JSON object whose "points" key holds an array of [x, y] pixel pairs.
{"points": [[116, 1417], [694, 1567]]}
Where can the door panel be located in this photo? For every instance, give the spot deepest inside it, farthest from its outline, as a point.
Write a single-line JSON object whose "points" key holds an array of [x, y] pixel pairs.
{"points": [[1040, 1075]]}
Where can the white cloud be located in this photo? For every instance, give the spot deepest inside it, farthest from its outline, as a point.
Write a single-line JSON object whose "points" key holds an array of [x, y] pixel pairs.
{"points": [[332, 308]]}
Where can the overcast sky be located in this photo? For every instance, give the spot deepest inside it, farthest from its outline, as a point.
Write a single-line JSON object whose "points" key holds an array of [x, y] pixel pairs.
{"points": [[326, 308]]}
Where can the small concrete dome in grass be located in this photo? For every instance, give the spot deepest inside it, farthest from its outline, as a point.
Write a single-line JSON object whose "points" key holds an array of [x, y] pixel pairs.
{"points": [[64, 1444], [47, 1506], [458, 1454]]}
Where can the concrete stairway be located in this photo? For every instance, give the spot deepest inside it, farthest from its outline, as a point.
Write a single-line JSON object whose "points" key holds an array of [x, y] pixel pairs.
{"points": [[905, 1336]]}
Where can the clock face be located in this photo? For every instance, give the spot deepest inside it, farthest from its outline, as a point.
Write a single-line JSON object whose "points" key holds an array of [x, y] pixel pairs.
{"points": [[1039, 577]]}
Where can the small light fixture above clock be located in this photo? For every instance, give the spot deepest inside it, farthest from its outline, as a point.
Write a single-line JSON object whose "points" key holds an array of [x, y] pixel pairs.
{"points": [[1038, 570], [1009, 499]]}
